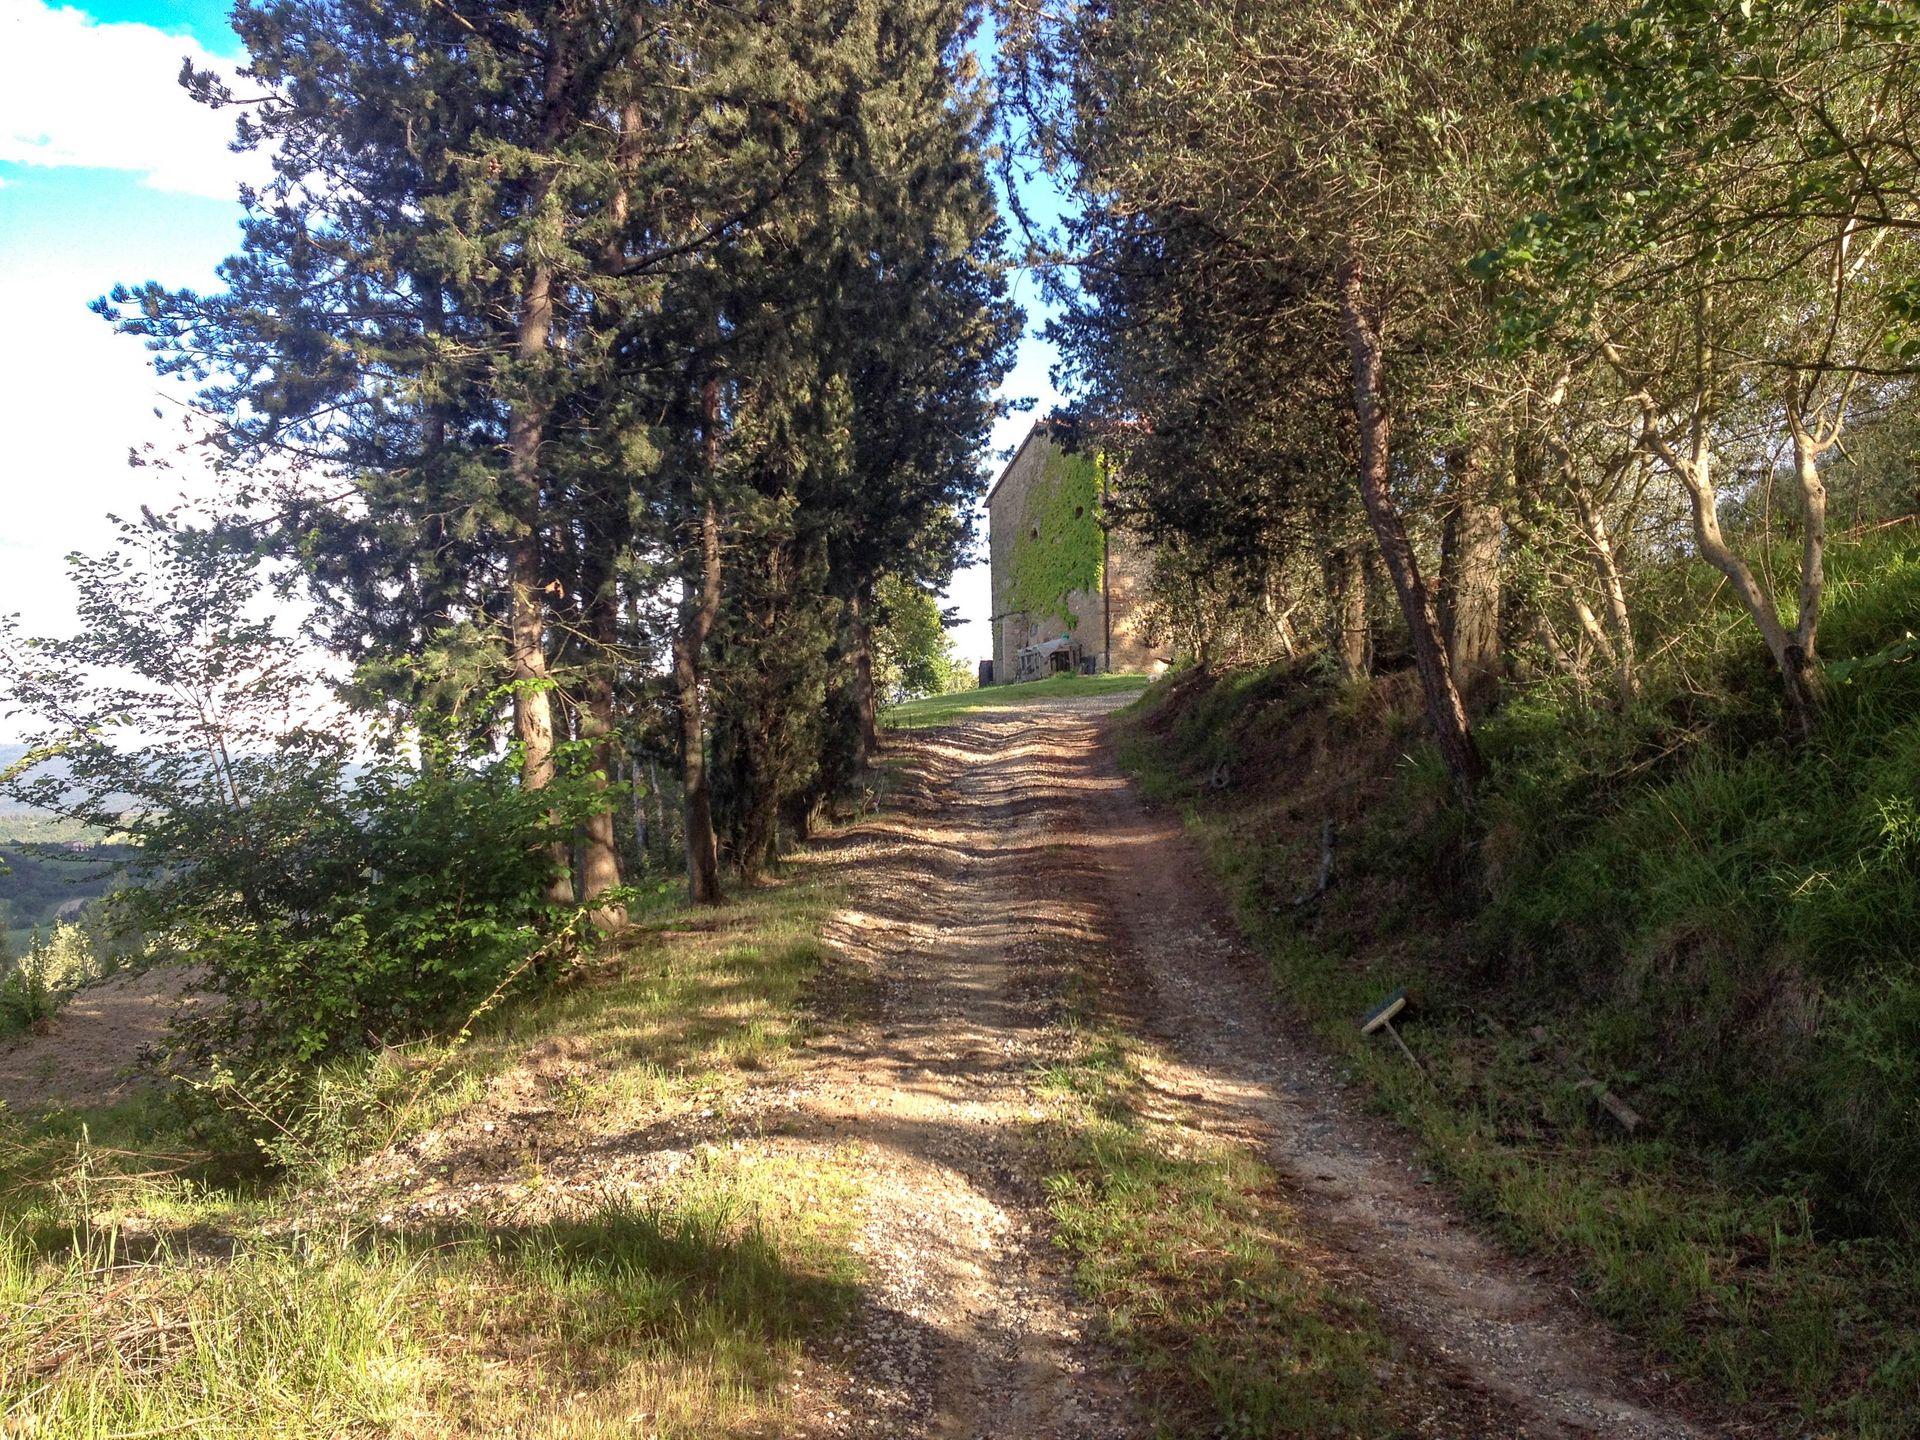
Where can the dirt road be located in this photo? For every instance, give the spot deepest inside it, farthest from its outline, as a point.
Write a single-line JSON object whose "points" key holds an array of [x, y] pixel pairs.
{"points": [[1010, 865], [1016, 846]]}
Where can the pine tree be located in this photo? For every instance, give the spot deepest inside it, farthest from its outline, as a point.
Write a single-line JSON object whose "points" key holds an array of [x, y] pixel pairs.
{"points": [[566, 327]]}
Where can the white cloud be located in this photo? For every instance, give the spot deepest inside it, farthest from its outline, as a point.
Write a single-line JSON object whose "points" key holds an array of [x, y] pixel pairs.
{"points": [[74, 91]]}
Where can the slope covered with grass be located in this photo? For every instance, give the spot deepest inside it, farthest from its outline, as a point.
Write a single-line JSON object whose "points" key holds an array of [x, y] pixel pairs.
{"points": [[1720, 923]]}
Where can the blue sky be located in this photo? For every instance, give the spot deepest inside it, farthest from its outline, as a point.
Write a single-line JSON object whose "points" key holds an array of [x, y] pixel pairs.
{"points": [[204, 20], [109, 173]]}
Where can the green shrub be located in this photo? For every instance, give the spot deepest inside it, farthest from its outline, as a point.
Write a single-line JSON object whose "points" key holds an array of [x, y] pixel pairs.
{"points": [[399, 899], [338, 902], [1739, 914], [53, 967]]}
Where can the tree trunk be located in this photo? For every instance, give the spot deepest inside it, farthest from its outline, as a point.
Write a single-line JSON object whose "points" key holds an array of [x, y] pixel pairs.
{"points": [[1347, 633], [599, 847], [660, 827], [699, 610], [526, 434], [1803, 679], [637, 802], [1470, 575], [1787, 655], [1445, 713], [1695, 472], [758, 830], [1606, 567], [860, 635], [533, 685], [1279, 618]]}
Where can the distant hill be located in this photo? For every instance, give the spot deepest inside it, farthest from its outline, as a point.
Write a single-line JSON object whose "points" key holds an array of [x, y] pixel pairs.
{"points": [[9, 753], [20, 822]]}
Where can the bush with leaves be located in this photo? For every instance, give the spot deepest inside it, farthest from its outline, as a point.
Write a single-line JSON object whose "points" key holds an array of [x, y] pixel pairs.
{"points": [[406, 897], [338, 902], [54, 966]]}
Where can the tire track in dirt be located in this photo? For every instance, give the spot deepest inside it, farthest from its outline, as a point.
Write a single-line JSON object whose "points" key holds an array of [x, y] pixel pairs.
{"points": [[973, 1329], [1474, 1320], [1011, 856]]}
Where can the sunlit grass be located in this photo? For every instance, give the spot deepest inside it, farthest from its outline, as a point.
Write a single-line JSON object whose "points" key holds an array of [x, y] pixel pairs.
{"points": [[151, 1285], [1636, 910], [1198, 1265], [934, 710]]}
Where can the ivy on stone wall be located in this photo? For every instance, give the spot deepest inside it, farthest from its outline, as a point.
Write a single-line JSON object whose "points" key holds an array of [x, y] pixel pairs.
{"points": [[1060, 547]]}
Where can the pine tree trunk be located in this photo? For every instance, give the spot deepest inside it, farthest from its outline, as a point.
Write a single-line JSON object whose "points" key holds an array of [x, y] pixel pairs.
{"points": [[526, 434], [698, 614], [1470, 575], [1445, 713], [532, 696], [861, 637], [599, 846], [759, 822]]}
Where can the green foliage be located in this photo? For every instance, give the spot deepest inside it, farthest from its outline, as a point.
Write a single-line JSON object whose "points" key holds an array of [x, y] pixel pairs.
{"points": [[1681, 139], [34, 987], [692, 1307], [775, 645], [1059, 546], [1720, 899], [1722, 924], [413, 896], [589, 287], [912, 652], [337, 902]]}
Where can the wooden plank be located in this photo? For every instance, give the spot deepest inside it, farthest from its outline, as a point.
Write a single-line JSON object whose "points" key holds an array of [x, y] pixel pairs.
{"points": [[1630, 1119]]}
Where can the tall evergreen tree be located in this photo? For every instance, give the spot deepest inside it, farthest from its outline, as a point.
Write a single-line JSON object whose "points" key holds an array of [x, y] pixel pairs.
{"points": [[555, 315]]}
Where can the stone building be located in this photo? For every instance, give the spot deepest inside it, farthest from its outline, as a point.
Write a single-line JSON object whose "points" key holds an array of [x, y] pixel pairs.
{"points": [[1067, 591]]}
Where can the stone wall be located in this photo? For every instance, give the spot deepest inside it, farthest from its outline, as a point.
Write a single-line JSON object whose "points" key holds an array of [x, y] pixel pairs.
{"points": [[1089, 616], [1127, 570]]}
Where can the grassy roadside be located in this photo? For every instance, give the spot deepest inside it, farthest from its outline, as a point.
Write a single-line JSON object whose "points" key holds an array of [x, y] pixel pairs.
{"points": [[1733, 1282], [931, 710], [1187, 1246], [155, 1288]]}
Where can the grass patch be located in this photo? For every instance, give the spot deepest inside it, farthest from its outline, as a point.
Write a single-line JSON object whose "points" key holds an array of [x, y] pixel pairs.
{"points": [[156, 1285], [934, 710], [678, 1318], [1193, 1256]]}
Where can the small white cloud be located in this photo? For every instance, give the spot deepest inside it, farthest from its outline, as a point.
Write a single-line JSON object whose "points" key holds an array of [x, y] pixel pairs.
{"points": [[74, 91]]}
